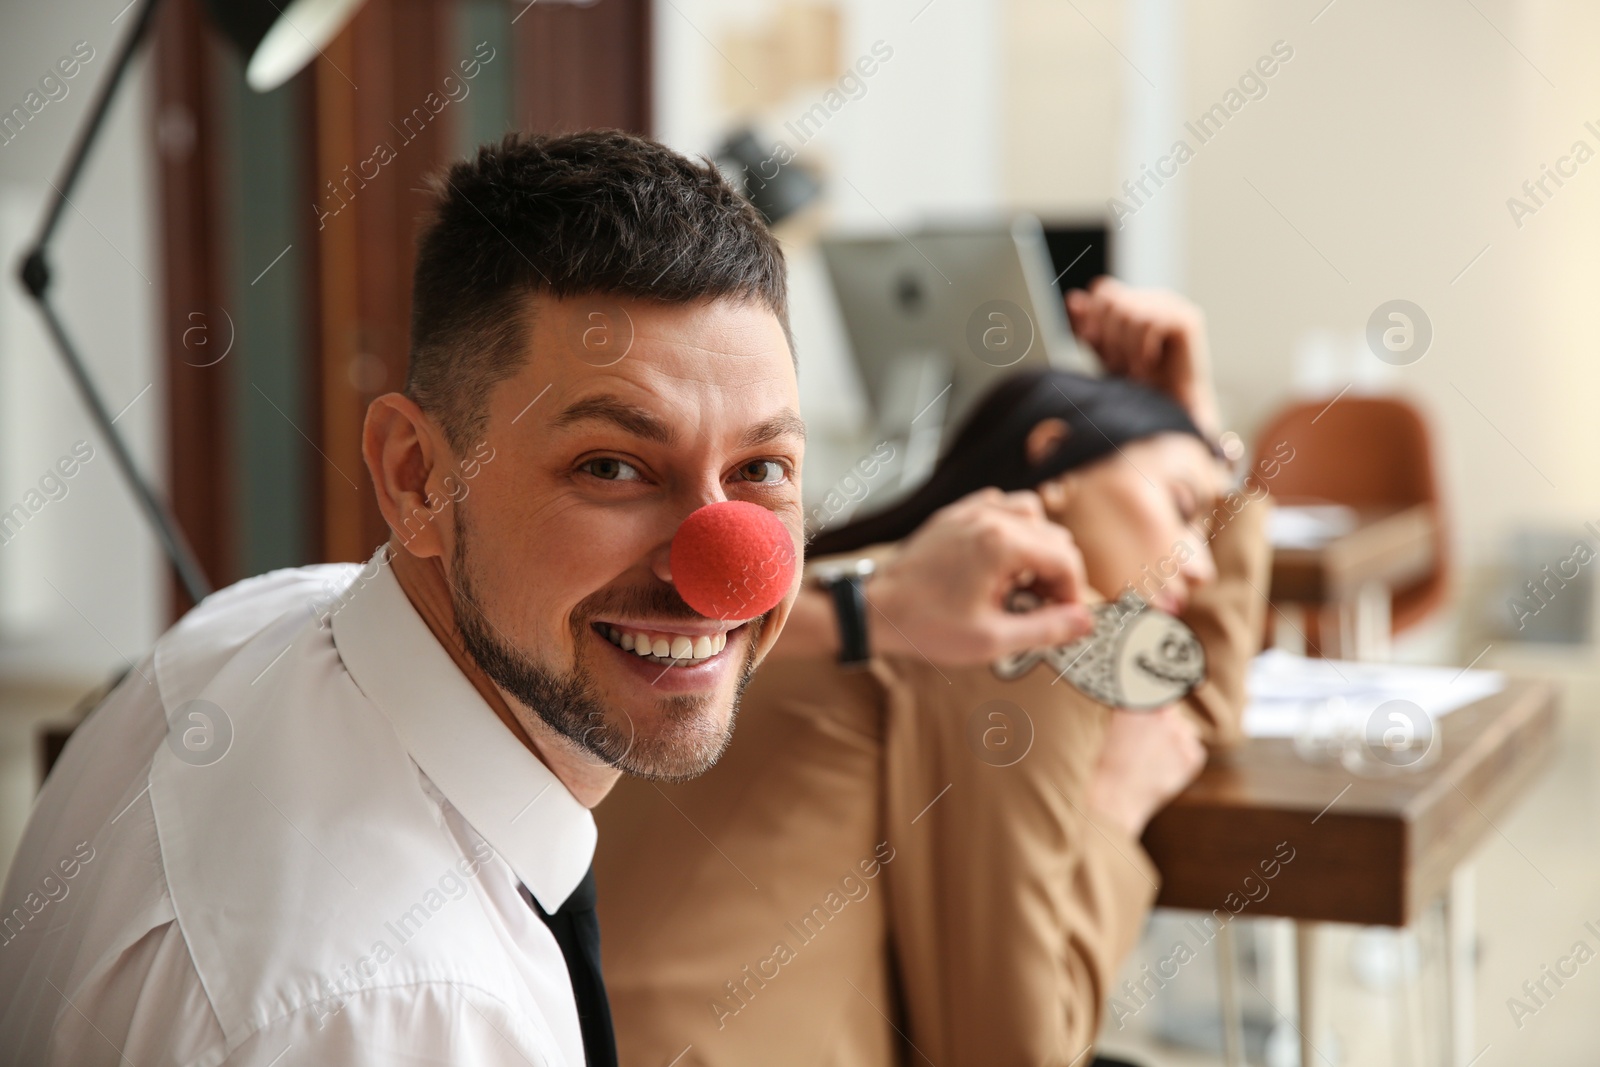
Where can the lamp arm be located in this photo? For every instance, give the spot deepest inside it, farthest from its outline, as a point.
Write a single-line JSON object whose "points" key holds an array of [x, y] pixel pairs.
{"points": [[35, 276], [166, 528], [90, 131]]}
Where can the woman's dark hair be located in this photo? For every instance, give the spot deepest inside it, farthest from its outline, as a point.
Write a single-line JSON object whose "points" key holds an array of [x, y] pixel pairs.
{"points": [[991, 448]]}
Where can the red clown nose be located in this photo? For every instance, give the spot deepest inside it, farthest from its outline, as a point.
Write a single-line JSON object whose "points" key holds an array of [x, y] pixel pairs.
{"points": [[732, 560]]}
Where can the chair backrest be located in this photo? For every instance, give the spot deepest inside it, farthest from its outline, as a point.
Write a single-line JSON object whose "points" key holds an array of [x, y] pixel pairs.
{"points": [[1364, 451]]}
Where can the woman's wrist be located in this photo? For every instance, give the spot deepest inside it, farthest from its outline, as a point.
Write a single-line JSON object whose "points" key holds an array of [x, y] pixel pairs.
{"points": [[1111, 806]]}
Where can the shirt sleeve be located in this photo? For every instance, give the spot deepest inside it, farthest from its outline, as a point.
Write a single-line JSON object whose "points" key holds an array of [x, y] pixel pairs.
{"points": [[146, 1005], [1011, 911], [154, 986], [415, 1023]]}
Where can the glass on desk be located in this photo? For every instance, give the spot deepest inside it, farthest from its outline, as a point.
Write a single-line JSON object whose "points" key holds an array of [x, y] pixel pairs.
{"points": [[1397, 737], [1393, 737], [1324, 731]]}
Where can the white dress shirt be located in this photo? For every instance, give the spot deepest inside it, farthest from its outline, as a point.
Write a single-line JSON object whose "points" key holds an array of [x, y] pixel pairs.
{"points": [[316, 864]]}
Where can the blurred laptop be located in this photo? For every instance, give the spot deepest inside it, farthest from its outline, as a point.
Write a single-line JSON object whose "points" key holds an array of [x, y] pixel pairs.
{"points": [[938, 315]]}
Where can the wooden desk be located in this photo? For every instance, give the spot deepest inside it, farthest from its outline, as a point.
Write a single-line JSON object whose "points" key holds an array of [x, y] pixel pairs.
{"points": [[1380, 853], [1348, 580], [1368, 850]]}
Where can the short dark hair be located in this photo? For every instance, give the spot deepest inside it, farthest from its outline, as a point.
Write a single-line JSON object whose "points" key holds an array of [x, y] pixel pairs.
{"points": [[598, 212]]}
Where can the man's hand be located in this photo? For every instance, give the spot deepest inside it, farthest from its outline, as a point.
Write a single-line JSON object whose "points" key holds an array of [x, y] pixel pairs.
{"points": [[1147, 759], [1151, 336], [943, 594]]}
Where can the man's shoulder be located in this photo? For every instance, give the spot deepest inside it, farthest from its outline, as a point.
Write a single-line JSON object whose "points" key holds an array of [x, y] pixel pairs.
{"points": [[301, 847], [193, 654], [237, 612]]}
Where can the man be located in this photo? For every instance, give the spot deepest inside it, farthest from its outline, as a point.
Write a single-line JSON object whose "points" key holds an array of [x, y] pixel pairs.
{"points": [[341, 814]]}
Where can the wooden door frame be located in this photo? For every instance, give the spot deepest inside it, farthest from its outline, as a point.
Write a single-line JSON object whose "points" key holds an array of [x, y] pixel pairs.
{"points": [[575, 67], [187, 123]]}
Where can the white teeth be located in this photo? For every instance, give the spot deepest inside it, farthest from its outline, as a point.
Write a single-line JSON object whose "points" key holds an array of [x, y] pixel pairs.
{"points": [[680, 647]]}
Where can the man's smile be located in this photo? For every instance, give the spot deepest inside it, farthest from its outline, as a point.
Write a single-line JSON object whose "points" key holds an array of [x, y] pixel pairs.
{"points": [[679, 644], [675, 657]]}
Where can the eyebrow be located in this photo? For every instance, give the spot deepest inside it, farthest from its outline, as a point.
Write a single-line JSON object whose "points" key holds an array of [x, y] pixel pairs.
{"points": [[783, 424], [633, 419], [645, 424]]}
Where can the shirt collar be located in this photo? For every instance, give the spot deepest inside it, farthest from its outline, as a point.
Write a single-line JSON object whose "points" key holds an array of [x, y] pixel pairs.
{"points": [[517, 803]]}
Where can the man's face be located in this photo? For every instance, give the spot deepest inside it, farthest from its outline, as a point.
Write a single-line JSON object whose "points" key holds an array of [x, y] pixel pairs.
{"points": [[559, 551]]}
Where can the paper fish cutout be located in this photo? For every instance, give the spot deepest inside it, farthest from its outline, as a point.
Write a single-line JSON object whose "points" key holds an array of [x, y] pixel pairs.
{"points": [[1135, 657]]}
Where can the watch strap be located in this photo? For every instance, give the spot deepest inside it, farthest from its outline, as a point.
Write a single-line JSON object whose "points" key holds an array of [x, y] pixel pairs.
{"points": [[850, 610]]}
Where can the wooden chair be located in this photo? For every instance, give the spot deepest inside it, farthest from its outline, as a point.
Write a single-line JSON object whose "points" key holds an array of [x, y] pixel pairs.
{"points": [[1365, 452]]}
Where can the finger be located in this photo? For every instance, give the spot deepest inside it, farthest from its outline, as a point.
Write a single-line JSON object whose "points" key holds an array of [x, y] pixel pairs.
{"points": [[1086, 313], [1155, 336], [1115, 297], [975, 502], [1119, 340], [1078, 305], [1050, 553], [1113, 346], [1017, 504], [1049, 626], [1134, 340], [1022, 502]]}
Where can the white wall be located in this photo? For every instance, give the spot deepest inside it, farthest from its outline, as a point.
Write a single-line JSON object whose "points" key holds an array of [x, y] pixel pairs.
{"points": [[80, 586]]}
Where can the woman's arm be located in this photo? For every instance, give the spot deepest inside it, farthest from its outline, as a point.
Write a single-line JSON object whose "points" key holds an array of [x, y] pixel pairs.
{"points": [[1152, 336], [1022, 886], [1229, 616], [1012, 903]]}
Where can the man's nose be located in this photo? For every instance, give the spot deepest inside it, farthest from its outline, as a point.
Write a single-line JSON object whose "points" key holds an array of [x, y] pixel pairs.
{"points": [[733, 560], [660, 555]]}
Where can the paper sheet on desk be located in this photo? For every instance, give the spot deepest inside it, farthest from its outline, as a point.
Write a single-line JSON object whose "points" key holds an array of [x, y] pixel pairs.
{"points": [[1285, 690], [1308, 526]]}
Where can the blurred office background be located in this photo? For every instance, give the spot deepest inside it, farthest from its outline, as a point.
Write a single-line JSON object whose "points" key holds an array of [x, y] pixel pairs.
{"points": [[240, 298]]}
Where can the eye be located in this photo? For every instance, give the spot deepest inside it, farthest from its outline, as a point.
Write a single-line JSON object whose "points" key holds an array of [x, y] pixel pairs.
{"points": [[611, 469], [764, 472]]}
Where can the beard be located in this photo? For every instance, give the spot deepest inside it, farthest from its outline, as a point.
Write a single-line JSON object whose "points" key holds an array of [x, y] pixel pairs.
{"points": [[688, 739]]}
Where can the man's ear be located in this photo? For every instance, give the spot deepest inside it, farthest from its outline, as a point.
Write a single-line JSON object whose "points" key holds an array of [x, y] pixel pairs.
{"points": [[402, 448], [1045, 437]]}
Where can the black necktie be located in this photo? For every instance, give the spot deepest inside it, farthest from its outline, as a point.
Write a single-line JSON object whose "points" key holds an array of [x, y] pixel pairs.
{"points": [[577, 930]]}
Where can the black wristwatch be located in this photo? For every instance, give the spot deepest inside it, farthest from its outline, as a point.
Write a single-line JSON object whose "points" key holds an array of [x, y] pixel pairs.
{"points": [[843, 583]]}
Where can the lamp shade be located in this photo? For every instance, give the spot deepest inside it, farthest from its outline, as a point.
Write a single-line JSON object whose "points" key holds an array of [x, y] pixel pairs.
{"points": [[773, 183], [277, 43]]}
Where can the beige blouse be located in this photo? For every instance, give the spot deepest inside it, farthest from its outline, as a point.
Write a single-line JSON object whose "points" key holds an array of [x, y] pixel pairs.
{"points": [[894, 865]]}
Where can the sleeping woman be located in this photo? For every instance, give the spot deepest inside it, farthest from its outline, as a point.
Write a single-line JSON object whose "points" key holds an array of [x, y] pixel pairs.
{"points": [[916, 862]]}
